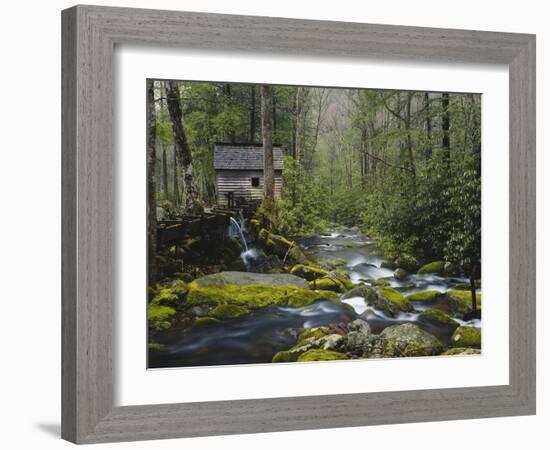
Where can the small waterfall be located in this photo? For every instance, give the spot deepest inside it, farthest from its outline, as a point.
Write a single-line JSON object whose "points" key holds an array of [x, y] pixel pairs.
{"points": [[239, 229]]}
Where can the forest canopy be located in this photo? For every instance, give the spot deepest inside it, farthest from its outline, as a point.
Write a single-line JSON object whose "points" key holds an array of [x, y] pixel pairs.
{"points": [[403, 166]]}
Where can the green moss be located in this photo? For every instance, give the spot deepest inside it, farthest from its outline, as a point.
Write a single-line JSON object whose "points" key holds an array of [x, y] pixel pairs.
{"points": [[437, 317], [308, 272], [433, 267], [155, 346], [206, 321], [320, 355], [461, 351], [396, 298], [312, 333], [466, 337], [464, 297], [222, 312], [165, 297], [425, 296], [255, 296], [159, 316], [285, 356], [328, 284], [170, 293], [381, 282]]}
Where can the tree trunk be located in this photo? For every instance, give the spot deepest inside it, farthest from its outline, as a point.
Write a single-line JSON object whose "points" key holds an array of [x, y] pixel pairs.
{"points": [[445, 126], [267, 138], [151, 185], [164, 173], [183, 152], [177, 198], [252, 113], [299, 129], [428, 126], [412, 166]]}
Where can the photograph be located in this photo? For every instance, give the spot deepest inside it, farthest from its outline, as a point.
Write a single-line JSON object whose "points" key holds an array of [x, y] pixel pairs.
{"points": [[291, 224]]}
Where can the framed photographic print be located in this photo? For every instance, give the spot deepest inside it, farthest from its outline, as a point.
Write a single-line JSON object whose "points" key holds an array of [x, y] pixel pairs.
{"points": [[264, 228]]}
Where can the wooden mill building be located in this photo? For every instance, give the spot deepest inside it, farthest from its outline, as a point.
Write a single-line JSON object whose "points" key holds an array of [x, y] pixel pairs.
{"points": [[240, 173]]}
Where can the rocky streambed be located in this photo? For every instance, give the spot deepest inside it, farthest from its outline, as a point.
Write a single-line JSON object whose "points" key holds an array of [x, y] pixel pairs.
{"points": [[341, 300]]}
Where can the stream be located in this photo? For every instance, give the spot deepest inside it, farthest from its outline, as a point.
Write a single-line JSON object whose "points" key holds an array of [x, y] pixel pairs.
{"points": [[256, 337]]}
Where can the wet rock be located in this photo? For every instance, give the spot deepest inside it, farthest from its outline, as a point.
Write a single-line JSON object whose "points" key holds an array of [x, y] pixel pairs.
{"points": [[358, 340], [369, 294], [409, 340], [438, 318], [400, 274], [199, 311], [246, 278], [331, 342]]}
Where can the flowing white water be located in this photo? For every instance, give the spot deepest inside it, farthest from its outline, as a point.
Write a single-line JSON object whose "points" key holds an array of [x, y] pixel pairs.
{"points": [[239, 229]]}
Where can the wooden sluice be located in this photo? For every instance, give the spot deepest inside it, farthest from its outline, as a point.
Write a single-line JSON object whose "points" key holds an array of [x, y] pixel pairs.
{"points": [[211, 225]]}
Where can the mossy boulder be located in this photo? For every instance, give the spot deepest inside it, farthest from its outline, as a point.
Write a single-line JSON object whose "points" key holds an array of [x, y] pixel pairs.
{"points": [[207, 321], [407, 262], [310, 273], [229, 311], [409, 340], [256, 295], [286, 356], [400, 274], [368, 293], [282, 247], [160, 317], [466, 337], [434, 316], [436, 267], [312, 334], [461, 351], [333, 281], [380, 282], [321, 355], [457, 303], [424, 296], [395, 298]]}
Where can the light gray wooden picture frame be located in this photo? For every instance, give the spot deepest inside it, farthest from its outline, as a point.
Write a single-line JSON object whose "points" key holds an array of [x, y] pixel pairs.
{"points": [[89, 37]]}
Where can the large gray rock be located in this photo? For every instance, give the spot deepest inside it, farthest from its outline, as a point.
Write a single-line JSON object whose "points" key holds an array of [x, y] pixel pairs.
{"points": [[409, 340], [247, 278], [359, 337]]}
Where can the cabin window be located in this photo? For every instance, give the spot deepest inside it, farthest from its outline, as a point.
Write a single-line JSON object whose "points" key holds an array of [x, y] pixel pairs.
{"points": [[255, 181]]}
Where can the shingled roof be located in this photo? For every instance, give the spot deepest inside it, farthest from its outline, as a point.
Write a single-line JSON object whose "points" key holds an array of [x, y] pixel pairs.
{"points": [[244, 157]]}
